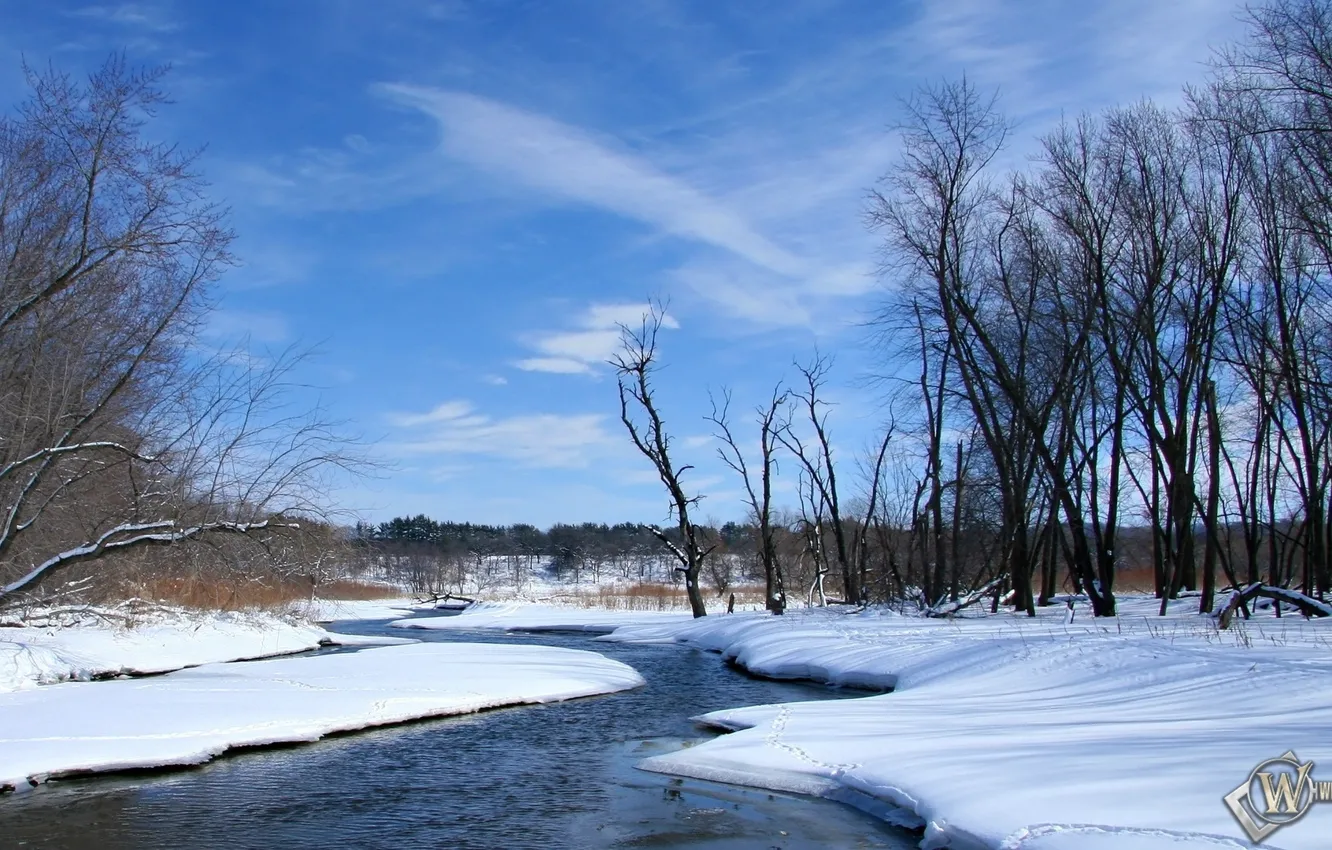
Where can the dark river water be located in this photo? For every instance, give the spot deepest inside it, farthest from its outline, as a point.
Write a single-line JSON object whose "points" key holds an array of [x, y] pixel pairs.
{"points": [[551, 776]]}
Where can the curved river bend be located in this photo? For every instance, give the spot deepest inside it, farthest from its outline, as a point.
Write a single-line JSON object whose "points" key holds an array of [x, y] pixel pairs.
{"points": [[551, 776]]}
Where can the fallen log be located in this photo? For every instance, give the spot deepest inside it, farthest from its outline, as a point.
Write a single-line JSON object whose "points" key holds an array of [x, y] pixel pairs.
{"points": [[948, 609], [437, 600], [1307, 605]]}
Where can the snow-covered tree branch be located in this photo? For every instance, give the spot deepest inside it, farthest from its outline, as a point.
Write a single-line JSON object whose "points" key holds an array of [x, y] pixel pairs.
{"points": [[119, 431]]}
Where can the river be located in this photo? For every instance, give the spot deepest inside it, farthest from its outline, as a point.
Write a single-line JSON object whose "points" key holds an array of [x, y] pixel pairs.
{"points": [[552, 776]]}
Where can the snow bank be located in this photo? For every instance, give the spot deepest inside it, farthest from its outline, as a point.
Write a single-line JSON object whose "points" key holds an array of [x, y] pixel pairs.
{"points": [[329, 610], [191, 716], [521, 616], [97, 647], [1009, 733]]}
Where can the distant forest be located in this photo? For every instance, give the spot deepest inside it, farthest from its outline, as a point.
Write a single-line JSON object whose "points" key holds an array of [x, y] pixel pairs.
{"points": [[524, 539], [432, 556]]}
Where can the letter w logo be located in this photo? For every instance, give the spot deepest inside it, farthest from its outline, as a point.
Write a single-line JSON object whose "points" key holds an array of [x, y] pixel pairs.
{"points": [[1283, 795]]}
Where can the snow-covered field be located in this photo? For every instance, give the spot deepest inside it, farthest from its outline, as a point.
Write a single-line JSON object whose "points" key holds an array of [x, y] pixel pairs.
{"points": [[191, 716], [519, 616], [1011, 733], [99, 644]]}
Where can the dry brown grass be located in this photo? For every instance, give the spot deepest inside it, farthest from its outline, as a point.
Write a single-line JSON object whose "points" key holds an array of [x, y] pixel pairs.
{"points": [[1130, 579], [633, 597], [345, 588], [1135, 581], [201, 592]]}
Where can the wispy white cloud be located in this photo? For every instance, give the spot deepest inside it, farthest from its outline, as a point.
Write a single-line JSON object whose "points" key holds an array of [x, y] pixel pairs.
{"points": [[769, 223], [640, 476], [358, 143], [449, 411], [262, 327], [132, 15], [747, 293], [448, 472], [570, 163], [615, 315], [1048, 57], [446, 10], [264, 264], [595, 339], [554, 365], [1155, 47], [539, 440], [357, 175]]}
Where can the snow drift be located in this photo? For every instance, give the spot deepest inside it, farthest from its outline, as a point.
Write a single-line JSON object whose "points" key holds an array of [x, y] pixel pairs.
{"points": [[1004, 732]]}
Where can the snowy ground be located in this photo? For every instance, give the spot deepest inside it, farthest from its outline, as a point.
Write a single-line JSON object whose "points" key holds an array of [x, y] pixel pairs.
{"points": [[330, 610], [101, 643], [1009, 733], [1001, 732], [519, 616], [191, 716]]}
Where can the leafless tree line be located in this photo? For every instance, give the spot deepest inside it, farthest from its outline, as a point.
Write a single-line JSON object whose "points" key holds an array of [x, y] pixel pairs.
{"points": [[1131, 333], [793, 547], [1134, 329], [120, 433]]}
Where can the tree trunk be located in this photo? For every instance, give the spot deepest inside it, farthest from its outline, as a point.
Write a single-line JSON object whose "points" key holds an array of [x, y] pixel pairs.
{"points": [[695, 594], [955, 567], [1019, 570], [1049, 560], [774, 593], [1211, 553]]}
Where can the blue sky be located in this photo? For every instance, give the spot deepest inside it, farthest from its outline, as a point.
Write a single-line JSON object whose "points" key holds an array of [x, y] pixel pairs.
{"points": [[457, 201]]}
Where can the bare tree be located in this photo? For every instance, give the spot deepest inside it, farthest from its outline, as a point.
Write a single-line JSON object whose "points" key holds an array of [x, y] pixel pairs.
{"points": [[760, 502], [1141, 325], [976, 263], [861, 546], [1277, 87], [816, 458], [116, 434], [810, 527], [229, 454], [634, 364]]}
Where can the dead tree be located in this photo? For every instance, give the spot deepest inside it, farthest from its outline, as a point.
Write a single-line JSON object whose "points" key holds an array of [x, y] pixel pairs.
{"points": [[760, 503], [634, 365], [861, 547], [817, 461], [811, 526]]}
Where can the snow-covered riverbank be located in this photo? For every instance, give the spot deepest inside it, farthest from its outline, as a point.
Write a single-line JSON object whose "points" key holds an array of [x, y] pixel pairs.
{"points": [[191, 716], [521, 616], [1004, 732], [97, 643]]}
